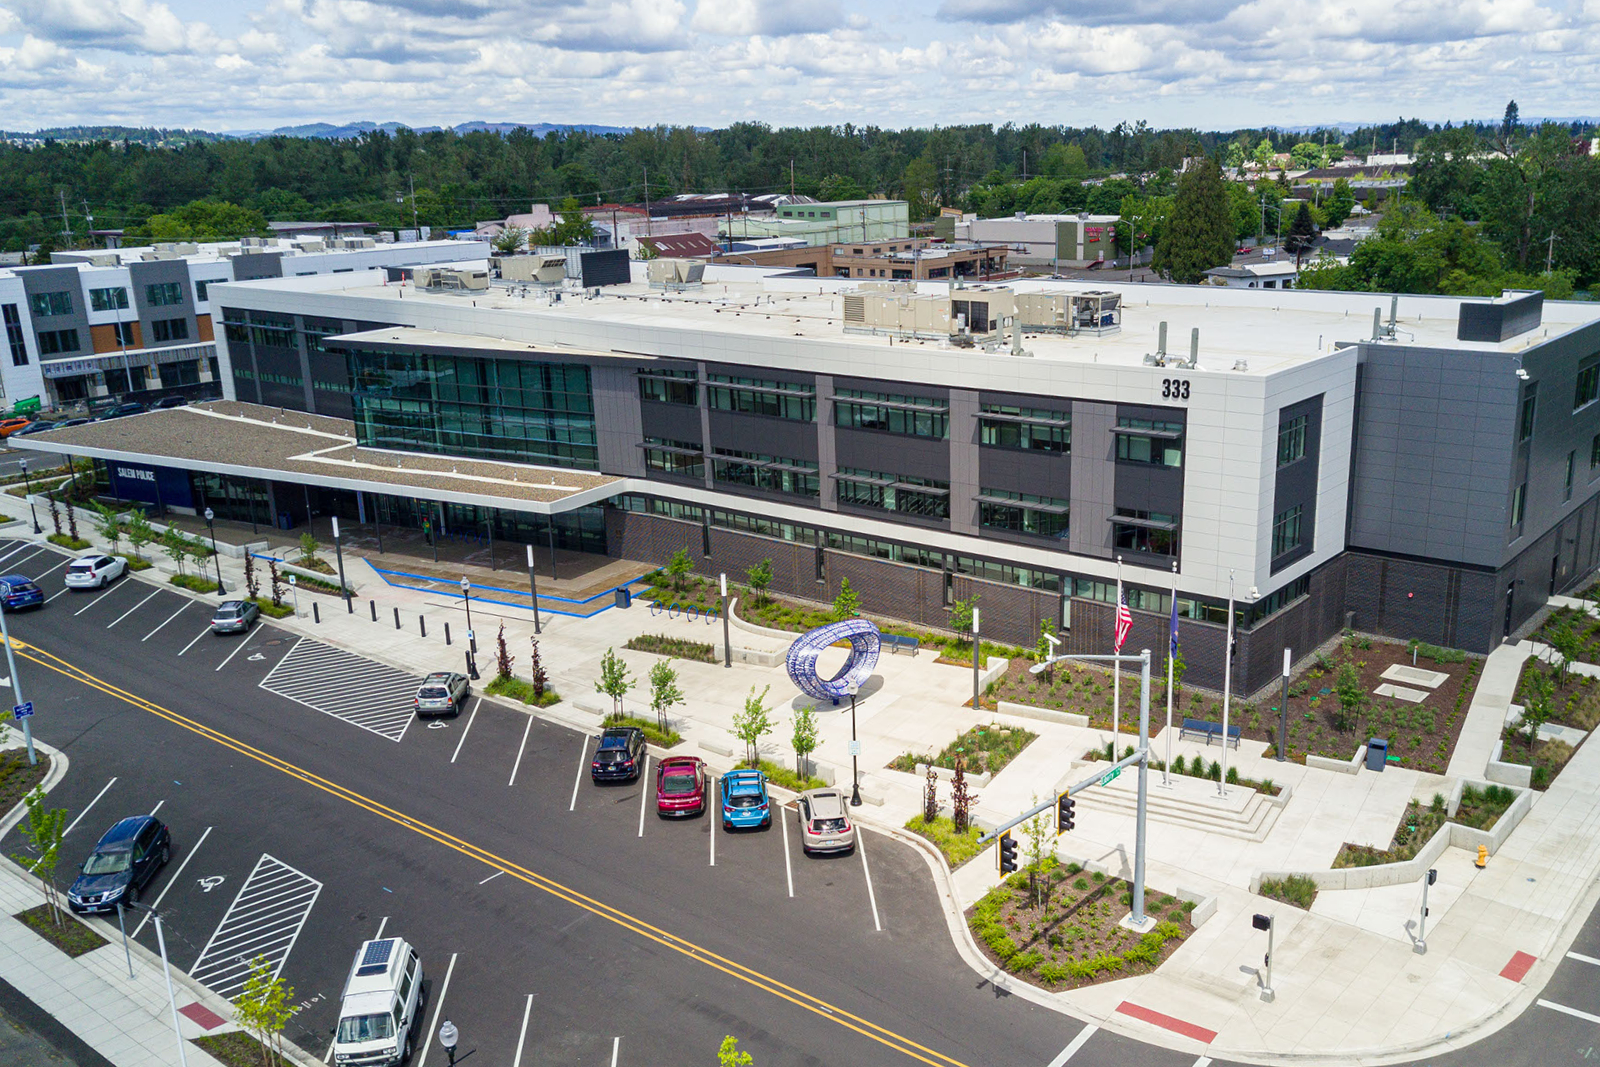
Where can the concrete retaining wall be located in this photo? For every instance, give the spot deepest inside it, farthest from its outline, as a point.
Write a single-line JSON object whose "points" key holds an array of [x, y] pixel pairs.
{"points": [[1027, 711], [1517, 775], [1351, 766]]}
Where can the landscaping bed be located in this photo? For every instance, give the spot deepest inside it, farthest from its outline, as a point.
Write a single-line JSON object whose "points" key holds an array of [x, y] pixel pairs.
{"points": [[1297, 889], [1071, 938], [17, 778], [986, 750], [662, 645], [1585, 630], [517, 689], [1479, 809], [652, 730], [193, 584], [1549, 694], [235, 1049], [783, 776], [271, 610], [956, 848], [76, 544], [69, 935], [135, 563]]}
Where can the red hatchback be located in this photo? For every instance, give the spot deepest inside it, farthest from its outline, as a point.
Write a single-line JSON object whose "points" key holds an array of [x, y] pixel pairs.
{"points": [[681, 786]]}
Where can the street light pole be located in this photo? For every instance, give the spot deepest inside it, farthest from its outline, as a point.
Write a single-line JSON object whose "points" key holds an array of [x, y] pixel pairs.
{"points": [[855, 749], [166, 969], [448, 1036], [16, 684], [727, 645], [1227, 688], [338, 551], [466, 598], [216, 557], [32, 510], [976, 645], [533, 590], [1283, 710]]}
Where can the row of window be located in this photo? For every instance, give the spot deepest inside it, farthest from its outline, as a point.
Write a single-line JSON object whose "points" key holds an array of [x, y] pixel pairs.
{"points": [[913, 416], [15, 337], [926, 498], [55, 342], [762, 396]]}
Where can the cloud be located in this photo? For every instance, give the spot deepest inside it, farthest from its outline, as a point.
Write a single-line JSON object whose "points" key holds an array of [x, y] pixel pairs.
{"points": [[747, 18], [126, 25], [1184, 12]]}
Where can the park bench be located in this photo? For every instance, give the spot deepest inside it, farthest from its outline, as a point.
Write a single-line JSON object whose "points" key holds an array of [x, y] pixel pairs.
{"points": [[896, 643], [1208, 730]]}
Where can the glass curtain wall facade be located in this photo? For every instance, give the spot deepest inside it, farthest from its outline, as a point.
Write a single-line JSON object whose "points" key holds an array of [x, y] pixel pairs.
{"points": [[500, 409]]}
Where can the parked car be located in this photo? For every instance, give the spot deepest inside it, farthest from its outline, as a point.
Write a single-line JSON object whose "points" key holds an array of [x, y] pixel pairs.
{"points": [[169, 402], [235, 617], [130, 408], [34, 427], [681, 786], [620, 755], [744, 800], [127, 857], [442, 693], [824, 826], [18, 591], [11, 426], [95, 572], [73, 422], [380, 1011]]}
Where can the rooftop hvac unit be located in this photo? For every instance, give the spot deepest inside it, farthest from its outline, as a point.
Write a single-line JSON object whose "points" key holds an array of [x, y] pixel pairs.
{"points": [[359, 242], [165, 246], [675, 273], [450, 279], [310, 244], [249, 242], [541, 270]]}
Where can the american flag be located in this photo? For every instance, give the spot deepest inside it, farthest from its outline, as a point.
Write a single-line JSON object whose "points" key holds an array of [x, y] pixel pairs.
{"points": [[1124, 622]]}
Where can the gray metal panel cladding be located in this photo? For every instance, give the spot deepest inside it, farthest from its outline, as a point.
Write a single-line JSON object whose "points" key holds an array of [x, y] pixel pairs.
{"points": [[827, 447], [1296, 482], [617, 419], [1094, 477], [964, 461], [146, 273], [57, 280]]}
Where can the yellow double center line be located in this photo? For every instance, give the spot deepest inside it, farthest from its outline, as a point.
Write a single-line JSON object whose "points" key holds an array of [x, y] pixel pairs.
{"points": [[628, 922]]}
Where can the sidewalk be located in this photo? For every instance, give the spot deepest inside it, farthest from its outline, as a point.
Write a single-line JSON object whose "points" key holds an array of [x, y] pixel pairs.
{"points": [[1349, 986]]}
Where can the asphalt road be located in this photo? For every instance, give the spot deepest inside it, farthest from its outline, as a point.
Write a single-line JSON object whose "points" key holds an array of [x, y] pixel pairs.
{"points": [[559, 922]]}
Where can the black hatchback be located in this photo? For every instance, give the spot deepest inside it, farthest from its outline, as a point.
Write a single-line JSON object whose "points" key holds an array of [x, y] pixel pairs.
{"points": [[620, 755], [127, 857]]}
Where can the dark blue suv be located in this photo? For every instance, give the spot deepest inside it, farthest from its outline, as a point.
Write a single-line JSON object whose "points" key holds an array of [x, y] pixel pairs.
{"points": [[620, 755], [18, 591], [127, 857]]}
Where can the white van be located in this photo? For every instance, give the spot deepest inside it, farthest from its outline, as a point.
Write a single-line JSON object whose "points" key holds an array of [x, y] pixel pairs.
{"points": [[381, 1008]]}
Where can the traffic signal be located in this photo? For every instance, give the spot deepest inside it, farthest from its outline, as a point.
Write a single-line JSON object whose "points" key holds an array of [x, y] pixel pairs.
{"points": [[1008, 853], [1064, 806]]}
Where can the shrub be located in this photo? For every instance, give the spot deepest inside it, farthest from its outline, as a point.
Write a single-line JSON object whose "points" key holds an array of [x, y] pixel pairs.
{"points": [[1297, 889], [1023, 962]]}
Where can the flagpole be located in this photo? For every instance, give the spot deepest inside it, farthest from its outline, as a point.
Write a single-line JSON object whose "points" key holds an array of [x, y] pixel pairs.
{"points": [[1172, 645], [1227, 688], [1116, 669]]}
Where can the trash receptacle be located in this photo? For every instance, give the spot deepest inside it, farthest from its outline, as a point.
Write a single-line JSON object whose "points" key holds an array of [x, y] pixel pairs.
{"points": [[624, 598], [1377, 753]]}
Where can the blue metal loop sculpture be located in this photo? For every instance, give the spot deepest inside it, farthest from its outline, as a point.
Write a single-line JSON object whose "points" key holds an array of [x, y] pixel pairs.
{"points": [[863, 658]]}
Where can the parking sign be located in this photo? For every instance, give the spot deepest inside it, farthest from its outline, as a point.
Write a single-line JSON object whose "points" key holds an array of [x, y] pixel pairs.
{"points": [[23, 710]]}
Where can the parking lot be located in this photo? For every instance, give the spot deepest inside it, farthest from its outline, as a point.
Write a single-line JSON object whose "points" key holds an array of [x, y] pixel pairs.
{"points": [[559, 921]]}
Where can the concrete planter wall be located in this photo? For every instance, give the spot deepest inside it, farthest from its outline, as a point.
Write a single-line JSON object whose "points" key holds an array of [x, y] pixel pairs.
{"points": [[1027, 711], [1351, 766], [1518, 775]]}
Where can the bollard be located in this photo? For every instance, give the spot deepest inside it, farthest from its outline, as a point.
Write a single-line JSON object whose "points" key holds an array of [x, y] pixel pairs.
{"points": [[447, 633], [1483, 857], [422, 625], [373, 604], [316, 616], [397, 618]]}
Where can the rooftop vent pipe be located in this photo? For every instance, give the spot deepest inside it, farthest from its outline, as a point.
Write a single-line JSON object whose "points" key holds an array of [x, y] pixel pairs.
{"points": [[1194, 347]]}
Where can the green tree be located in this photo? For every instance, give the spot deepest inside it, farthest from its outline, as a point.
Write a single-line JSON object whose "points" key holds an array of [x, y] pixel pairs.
{"points": [[1306, 155], [664, 691], [510, 241], [108, 524], [1339, 203], [308, 551], [1065, 161], [730, 1056], [1263, 153], [961, 614], [1302, 233], [201, 220], [1352, 697], [804, 738], [759, 579], [753, 723], [840, 187], [263, 1009], [1199, 233], [1537, 706], [176, 546], [1040, 856], [1042, 648], [139, 531], [1568, 645], [920, 184], [678, 568], [614, 680], [43, 829], [847, 604]]}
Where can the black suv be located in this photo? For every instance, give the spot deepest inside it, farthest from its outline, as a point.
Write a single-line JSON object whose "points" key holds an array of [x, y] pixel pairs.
{"points": [[620, 755], [127, 857]]}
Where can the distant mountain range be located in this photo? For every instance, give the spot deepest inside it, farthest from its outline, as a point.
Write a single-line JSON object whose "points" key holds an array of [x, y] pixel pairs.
{"points": [[354, 129]]}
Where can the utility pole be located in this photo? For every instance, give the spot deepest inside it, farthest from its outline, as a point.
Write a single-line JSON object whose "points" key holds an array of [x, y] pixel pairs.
{"points": [[412, 178], [647, 229], [1550, 251], [66, 227], [791, 177]]}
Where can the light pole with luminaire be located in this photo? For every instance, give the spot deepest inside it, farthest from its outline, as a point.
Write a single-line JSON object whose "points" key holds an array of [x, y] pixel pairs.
{"points": [[466, 598], [448, 1036], [172, 999], [338, 551], [31, 509], [727, 647], [216, 557], [1227, 686], [1264, 922], [853, 688], [533, 591]]}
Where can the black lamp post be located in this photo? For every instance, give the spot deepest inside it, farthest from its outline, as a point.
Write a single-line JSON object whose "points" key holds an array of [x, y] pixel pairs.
{"points": [[855, 750], [32, 510], [216, 557], [448, 1036], [466, 598], [338, 552]]}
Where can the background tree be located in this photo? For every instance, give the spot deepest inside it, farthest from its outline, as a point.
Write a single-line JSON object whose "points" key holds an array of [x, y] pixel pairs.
{"points": [[840, 187], [201, 220], [804, 739], [920, 188], [614, 681], [502, 654], [664, 691], [1199, 235], [730, 1056], [759, 578], [1302, 233], [263, 1008], [43, 829], [752, 723], [1338, 204], [510, 240], [847, 604]]}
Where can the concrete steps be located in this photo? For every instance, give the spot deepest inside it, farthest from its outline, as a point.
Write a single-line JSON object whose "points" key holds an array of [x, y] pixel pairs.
{"points": [[1244, 814]]}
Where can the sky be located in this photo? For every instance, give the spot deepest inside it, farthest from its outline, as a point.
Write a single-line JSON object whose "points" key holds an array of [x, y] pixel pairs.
{"points": [[1212, 64]]}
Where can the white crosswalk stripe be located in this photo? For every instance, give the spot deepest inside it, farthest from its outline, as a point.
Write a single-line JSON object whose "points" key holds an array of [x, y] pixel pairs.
{"points": [[264, 920], [345, 686]]}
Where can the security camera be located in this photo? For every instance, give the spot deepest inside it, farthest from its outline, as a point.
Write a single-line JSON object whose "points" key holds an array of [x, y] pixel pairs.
{"points": [[1255, 594], [1522, 374]]}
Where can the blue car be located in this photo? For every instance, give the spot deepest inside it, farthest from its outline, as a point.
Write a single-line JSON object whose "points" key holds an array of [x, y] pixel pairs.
{"points": [[18, 591], [744, 800]]}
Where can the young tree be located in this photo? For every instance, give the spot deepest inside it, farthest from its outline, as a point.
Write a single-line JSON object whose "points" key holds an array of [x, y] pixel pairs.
{"points": [[43, 829], [759, 578], [198, 551], [664, 691], [536, 671], [1302, 233], [614, 681], [107, 523], [308, 551], [252, 585], [1537, 708], [176, 546], [1043, 649], [930, 798], [275, 580], [55, 511], [139, 530], [678, 568], [263, 1008], [509, 243], [730, 1056], [847, 604], [1036, 832], [1353, 699], [72, 510], [961, 797], [753, 723], [502, 654], [804, 739], [961, 615], [1568, 646], [1199, 234]]}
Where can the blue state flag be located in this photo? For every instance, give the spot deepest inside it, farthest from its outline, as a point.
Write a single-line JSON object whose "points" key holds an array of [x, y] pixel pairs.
{"points": [[1174, 626]]}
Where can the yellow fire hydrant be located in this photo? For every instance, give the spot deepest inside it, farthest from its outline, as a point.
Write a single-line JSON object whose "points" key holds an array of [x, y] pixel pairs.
{"points": [[1483, 857]]}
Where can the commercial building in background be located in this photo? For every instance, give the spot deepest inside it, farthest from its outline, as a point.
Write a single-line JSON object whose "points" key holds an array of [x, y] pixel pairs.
{"points": [[1424, 467], [1047, 240], [135, 323], [835, 222], [916, 259]]}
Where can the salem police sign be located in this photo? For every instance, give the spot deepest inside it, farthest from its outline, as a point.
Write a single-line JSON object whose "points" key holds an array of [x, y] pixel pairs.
{"points": [[136, 473], [152, 485]]}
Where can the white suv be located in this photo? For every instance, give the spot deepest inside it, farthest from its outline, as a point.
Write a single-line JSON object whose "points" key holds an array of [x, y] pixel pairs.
{"points": [[94, 572], [382, 1006]]}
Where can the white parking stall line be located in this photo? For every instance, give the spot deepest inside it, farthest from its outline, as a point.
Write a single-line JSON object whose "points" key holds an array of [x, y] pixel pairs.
{"points": [[342, 685], [168, 619], [871, 896], [520, 749], [133, 609], [644, 791], [1203, 1061], [52, 570], [1077, 1043], [21, 546], [522, 1037], [30, 555], [1574, 1012], [583, 758], [91, 804], [788, 869], [197, 637], [156, 808], [616, 1049], [58, 592], [242, 642], [476, 704], [1581, 958], [438, 1008], [711, 821], [177, 876], [264, 920], [109, 590]]}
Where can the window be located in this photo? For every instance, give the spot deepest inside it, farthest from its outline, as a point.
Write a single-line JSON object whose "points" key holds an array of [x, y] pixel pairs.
{"points": [[683, 458], [1145, 531], [1008, 426], [780, 474], [170, 329], [45, 304], [761, 396], [1150, 441], [123, 333], [1519, 500], [19, 346], [916, 416], [1286, 531], [1530, 400], [1291, 440], [1572, 464], [112, 299], [52, 342], [1023, 513], [1594, 451], [669, 386], [923, 497], [1588, 388], [163, 294], [200, 287]]}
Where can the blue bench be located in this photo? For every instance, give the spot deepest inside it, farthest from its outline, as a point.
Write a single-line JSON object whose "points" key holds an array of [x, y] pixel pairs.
{"points": [[896, 643], [1208, 730]]}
